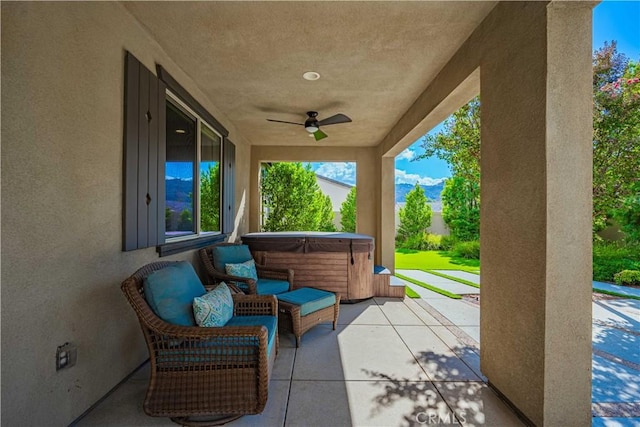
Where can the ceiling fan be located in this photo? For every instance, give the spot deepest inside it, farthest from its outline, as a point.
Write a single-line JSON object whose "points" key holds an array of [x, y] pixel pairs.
{"points": [[312, 124]]}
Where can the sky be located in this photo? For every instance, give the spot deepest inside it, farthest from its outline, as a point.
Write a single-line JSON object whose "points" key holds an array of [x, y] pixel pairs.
{"points": [[612, 20]]}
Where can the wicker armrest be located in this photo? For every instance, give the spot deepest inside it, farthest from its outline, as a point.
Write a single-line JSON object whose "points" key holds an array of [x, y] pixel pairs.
{"points": [[255, 305], [275, 273]]}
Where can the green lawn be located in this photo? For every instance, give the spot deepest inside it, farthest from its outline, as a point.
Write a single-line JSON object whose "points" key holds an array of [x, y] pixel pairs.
{"points": [[433, 260]]}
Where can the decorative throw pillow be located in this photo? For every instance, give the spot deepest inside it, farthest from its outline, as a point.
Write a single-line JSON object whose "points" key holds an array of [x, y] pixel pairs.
{"points": [[245, 269], [214, 308]]}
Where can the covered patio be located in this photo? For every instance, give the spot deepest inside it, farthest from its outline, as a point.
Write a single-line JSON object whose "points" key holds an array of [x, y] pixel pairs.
{"points": [[71, 233], [390, 362]]}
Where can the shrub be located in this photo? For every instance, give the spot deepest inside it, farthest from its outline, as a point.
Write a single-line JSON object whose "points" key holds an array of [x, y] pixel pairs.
{"points": [[421, 242], [447, 242], [610, 258], [628, 278], [469, 250]]}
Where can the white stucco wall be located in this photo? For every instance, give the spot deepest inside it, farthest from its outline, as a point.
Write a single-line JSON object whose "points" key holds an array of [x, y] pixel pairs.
{"points": [[337, 192]]}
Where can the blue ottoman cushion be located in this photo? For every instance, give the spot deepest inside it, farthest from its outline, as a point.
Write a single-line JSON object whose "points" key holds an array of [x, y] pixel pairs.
{"points": [[309, 299]]}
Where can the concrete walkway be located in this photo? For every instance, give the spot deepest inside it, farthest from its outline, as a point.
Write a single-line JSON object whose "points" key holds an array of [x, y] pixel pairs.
{"points": [[616, 347], [440, 282], [465, 275], [610, 287]]}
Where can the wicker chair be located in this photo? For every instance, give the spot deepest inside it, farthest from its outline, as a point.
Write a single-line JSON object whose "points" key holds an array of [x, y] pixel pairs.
{"points": [[218, 374], [250, 286]]}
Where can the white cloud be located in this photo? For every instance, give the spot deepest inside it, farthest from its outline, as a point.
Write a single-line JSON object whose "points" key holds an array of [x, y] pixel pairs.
{"points": [[403, 177], [407, 154], [340, 171]]}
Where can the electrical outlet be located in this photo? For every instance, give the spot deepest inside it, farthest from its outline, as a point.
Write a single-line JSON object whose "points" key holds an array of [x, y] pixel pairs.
{"points": [[66, 356]]}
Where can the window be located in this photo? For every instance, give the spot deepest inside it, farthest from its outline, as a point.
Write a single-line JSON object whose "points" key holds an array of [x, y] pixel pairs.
{"points": [[179, 166], [192, 173]]}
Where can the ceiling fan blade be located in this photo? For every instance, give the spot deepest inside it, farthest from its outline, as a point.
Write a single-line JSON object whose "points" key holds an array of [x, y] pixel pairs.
{"points": [[334, 120], [282, 121], [318, 135]]}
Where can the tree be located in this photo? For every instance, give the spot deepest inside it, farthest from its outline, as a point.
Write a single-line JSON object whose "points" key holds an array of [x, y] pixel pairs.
{"points": [[415, 216], [616, 131], [628, 214], [459, 145], [461, 212], [325, 213], [292, 199], [186, 221], [348, 212], [210, 198]]}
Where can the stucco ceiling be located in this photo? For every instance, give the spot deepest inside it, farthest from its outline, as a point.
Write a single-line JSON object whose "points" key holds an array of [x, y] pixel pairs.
{"points": [[374, 59]]}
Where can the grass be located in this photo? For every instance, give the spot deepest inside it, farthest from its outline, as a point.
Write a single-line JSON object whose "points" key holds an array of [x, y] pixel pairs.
{"points": [[433, 260], [410, 292], [429, 287], [456, 279], [614, 294]]}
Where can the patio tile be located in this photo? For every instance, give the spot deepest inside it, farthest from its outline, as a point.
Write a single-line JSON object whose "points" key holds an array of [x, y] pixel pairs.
{"points": [[318, 357], [419, 311], [397, 312], [393, 403], [283, 366], [435, 357], [615, 422], [619, 343], [355, 352], [472, 331], [318, 404], [463, 349], [477, 405], [123, 406], [363, 313], [274, 412], [621, 313], [458, 312], [614, 382]]}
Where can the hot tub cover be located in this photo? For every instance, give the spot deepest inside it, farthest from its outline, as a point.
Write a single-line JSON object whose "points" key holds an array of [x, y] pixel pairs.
{"points": [[306, 242]]}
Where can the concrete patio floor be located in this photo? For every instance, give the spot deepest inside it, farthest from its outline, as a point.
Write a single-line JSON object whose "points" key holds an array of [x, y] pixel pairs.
{"points": [[389, 363], [394, 362]]}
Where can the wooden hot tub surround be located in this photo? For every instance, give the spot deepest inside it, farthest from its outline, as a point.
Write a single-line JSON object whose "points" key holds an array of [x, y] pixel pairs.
{"points": [[337, 262]]}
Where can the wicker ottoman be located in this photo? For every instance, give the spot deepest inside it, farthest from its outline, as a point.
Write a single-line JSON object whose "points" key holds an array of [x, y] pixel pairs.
{"points": [[302, 309]]}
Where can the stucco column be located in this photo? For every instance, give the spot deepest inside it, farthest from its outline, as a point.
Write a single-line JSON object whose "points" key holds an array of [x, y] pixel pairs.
{"points": [[536, 214]]}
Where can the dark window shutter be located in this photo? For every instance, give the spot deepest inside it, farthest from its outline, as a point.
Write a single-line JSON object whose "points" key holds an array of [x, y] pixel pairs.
{"points": [[229, 186], [144, 157]]}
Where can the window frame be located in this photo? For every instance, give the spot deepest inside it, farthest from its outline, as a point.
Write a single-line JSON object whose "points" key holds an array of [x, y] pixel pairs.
{"points": [[177, 102]]}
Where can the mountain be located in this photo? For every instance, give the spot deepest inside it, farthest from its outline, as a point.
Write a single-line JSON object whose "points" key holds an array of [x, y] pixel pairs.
{"points": [[431, 191], [179, 190]]}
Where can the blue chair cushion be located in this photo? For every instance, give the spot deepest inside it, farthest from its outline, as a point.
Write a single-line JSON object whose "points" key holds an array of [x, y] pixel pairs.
{"points": [[214, 308], [271, 286], [231, 254], [170, 293], [309, 299], [270, 322]]}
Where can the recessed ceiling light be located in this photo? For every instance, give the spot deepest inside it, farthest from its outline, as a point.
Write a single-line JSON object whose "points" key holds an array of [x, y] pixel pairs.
{"points": [[311, 75], [181, 131]]}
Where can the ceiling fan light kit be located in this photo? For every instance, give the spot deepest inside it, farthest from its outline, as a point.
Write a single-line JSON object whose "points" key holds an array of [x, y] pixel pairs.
{"points": [[312, 124]]}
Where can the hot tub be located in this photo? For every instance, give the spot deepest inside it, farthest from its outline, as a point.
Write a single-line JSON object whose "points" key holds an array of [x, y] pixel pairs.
{"points": [[338, 262]]}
